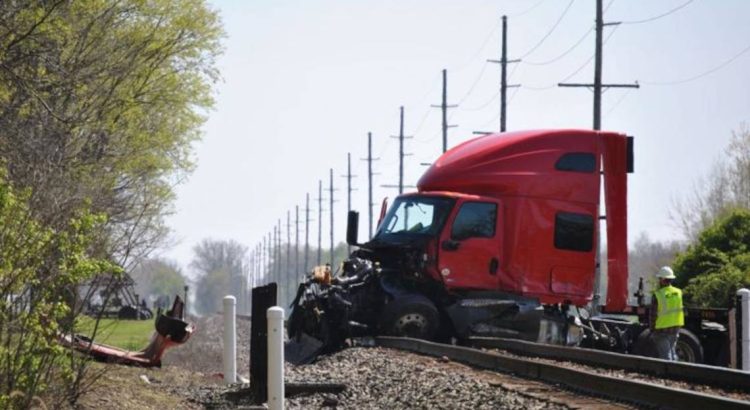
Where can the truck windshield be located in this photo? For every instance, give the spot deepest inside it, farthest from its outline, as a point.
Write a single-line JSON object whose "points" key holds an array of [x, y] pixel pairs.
{"points": [[415, 215]]}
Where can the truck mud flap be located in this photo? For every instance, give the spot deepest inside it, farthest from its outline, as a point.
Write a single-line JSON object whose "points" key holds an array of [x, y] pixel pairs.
{"points": [[302, 349]]}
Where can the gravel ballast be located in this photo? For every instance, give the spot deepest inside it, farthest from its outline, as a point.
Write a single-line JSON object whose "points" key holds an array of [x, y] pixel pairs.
{"points": [[378, 378]]}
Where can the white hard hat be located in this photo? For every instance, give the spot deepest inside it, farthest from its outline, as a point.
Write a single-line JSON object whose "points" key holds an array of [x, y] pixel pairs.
{"points": [[665, 273]]}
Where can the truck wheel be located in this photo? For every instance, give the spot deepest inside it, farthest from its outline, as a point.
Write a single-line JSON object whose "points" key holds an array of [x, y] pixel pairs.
{"points": [[688, 347], [410, 316], [644, 346]]}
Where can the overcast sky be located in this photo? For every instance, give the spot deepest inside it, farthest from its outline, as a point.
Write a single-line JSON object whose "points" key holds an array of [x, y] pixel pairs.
{"points": [[304, 81]]}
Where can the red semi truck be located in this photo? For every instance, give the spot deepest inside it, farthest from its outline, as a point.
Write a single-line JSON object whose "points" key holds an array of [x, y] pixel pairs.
{"points": [[501, 239]]}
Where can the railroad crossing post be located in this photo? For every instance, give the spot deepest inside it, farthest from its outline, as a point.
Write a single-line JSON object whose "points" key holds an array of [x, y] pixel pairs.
{"points": [[275, 317], [743, 295], [230, 340]]}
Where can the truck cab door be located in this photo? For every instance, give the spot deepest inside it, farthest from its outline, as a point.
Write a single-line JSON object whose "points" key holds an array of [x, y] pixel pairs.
{"points": [[469, 254]]}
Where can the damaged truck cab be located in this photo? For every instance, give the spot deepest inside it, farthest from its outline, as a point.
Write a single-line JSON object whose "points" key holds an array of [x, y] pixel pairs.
{"points": [[508, 223], [501, 239]]}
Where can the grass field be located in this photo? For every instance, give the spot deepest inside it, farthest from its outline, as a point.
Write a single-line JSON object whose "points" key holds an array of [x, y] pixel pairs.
{"points": [[125, 334]]}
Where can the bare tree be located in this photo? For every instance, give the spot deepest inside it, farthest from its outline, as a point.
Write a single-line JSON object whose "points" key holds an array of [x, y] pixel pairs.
{"points": [[727, 186]]}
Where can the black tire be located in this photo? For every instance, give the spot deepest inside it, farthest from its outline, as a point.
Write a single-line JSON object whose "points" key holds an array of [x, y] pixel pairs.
{"points": [[410, 316], [644, 346], [689, 347]]}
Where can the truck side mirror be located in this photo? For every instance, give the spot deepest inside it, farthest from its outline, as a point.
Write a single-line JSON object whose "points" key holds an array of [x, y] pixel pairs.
{"points": [[383, 209], [352, 227]]}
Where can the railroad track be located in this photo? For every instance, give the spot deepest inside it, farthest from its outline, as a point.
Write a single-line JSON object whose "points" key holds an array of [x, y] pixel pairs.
{"points": [[630, 391], [688, 372]]}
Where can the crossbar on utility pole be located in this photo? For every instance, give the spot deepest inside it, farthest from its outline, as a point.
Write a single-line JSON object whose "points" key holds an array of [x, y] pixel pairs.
{"points": [[504, 74], [444, 106], [597, 85], [401, 137]]}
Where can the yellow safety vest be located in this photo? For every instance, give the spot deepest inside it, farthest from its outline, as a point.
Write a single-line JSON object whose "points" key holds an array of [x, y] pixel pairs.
{"points": [[669, 312]]}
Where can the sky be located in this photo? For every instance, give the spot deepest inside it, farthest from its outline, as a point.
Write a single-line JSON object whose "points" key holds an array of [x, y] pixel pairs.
{"points": [[303, 82]]}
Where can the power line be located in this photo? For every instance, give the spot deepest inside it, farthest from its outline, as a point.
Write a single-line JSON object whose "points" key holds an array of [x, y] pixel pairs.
{"points": [[529, 10], [479, 51], [564, 53], [474, 85], [617, 103], [658, 16], [546, 36], [703, 74], [577, 70], [484, 104]]}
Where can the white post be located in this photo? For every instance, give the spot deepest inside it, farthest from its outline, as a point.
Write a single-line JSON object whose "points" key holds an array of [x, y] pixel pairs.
{"points": [[230, 340], [275, 317], [744, 312]]}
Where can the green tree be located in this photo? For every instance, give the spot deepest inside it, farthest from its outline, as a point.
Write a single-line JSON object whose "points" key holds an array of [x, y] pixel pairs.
{"points": [[718, 263], [101, 101], [38, 268]]}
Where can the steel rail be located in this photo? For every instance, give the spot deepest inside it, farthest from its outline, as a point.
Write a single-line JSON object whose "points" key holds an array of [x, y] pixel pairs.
{"points": [[636, 392], [689, 372]]}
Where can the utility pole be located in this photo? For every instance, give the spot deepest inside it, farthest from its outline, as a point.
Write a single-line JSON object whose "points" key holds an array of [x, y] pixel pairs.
{"points": [[503, 61], [598, 87], [259, 278], [349, 190], [401, 155], [278, 251], [257, 265], [330, 212], [296, 240], [263, 260], [444, 106], [369, 160], [320, 221], [288, 252], [275, 248], [307, 232], [269, 273]]}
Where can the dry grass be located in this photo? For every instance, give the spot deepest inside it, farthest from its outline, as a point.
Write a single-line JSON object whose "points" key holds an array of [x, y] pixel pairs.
{"points": [[121, 387]]}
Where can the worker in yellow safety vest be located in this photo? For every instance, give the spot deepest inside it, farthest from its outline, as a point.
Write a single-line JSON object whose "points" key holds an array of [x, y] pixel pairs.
{"points": [[667, 315]]}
